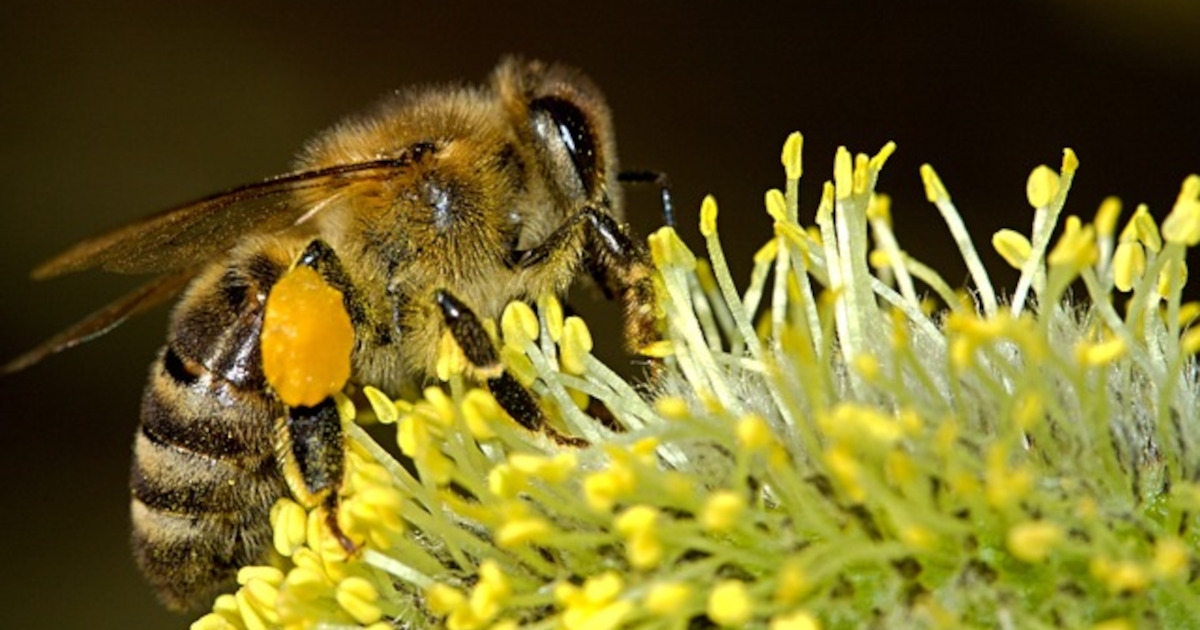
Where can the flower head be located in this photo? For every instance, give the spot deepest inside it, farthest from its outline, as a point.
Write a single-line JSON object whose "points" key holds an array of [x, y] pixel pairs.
{"points": [[848, 440]]}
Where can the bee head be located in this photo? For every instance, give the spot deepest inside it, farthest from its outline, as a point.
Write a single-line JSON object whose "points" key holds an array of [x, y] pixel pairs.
{"points": [[564, 118]]}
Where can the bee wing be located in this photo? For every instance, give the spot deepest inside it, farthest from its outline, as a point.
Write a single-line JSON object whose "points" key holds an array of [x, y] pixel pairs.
{"points": [[110, 316], [196, 232]]}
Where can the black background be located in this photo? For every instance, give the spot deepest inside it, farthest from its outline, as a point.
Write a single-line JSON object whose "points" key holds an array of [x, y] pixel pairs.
{"points": [[109, 112]]}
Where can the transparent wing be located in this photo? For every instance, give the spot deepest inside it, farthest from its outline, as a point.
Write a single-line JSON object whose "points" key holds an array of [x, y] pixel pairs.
{"points": [[141, 299], [196, 232]]}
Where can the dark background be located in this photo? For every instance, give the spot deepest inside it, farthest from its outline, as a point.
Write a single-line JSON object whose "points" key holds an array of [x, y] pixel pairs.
{"points": [[110, 112]]}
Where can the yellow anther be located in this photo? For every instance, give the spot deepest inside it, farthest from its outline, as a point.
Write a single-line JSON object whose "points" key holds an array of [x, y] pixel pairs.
{"points": [[1129, 263], [799, 620], [729, 604], [672, 407], [766, 254], [1182, 226], [505, 481], [1171, 558], [265, 574], [645, 448], [638, 526], [480, 410], [306, 339], [1005, 487], [666, 598], [213, 621], [552, 313], [639, 519], [722, 511], [306, 584], [1189, 341], [853, 423], [643, 552], [776, 206], [847, 471], [843, 173], [868, 367], [1147, 229], [552, 469], [604, 488], [1070, 162], [879, 208], [1169, 283], [256, 602], [602, 588], [519, 325], [493, 585], [862, 173], [413, 435], [1032, 541], [881, 158], [934, 189], [1076, 248], [1120, 577], [288, 522], [576, 344], [450, 359], [1107, 216], [1190, 188], [1100, 354], [226, 606], [1013, 247], [792, 149], [519, 365], [443, 599], [667, 249], [660, 349], [708, 216], [826, 208], [879, 259], [358, 597], [520, 531], [1188, 313], [753, 432], [1042, 186]]}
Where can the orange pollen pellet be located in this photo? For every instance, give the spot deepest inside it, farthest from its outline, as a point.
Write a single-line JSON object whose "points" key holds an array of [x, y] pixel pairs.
{"points": [[306, 339]]}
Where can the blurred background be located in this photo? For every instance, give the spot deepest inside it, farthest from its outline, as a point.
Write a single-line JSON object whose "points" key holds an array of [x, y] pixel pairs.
{"points": [[116, 110]]}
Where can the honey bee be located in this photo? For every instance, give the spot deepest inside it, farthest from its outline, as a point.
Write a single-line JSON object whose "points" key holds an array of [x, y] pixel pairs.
{"points": [[424, 216]]}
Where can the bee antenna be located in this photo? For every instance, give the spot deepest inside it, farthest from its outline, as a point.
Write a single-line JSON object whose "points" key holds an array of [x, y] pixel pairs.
{"points": [[657, 178]]}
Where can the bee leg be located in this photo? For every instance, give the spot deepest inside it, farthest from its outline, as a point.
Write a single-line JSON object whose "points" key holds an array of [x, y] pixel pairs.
{"points": [[618, 263], [657, 178], [470, 335], [311, 450]]}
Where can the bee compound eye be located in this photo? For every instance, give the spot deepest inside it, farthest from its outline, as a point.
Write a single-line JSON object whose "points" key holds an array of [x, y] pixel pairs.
{"points": [[564, 128]]}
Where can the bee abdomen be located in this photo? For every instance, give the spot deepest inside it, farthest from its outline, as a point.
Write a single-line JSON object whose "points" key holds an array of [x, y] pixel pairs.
{"points": [[203, 480]]}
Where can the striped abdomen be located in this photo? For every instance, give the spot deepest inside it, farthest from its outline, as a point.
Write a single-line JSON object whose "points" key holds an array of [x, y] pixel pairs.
{"points": [[204, 472]]}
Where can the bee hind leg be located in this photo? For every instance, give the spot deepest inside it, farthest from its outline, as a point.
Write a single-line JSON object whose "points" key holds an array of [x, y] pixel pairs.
{"points": [[311, 449], [471, 336]]}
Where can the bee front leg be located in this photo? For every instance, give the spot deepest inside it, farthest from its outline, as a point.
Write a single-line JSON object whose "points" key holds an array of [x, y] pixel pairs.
{"points": [[618, 263], [470, 335]]}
